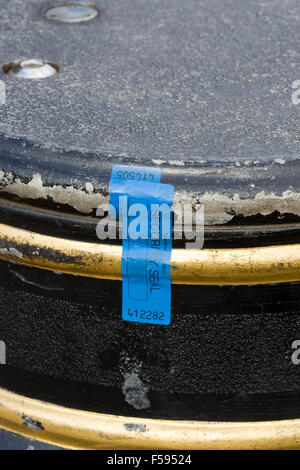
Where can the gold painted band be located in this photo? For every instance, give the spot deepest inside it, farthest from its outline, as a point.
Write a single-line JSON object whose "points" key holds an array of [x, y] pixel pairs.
{"points": [[237, 266], [78, 429]]}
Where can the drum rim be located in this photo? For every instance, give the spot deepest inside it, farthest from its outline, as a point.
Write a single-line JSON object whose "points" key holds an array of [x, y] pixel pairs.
{"points": [[48, 221], [77, 429], [224, 266], [31, 172]]}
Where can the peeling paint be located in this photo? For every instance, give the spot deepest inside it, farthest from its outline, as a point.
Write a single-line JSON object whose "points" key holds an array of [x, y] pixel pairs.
{"points": [[83, 200], [219, 208], [134, 389], [176, 162], [280, 161], [32, 424], [135, 427], [89, 188], [6, 178], [28, 250], [12, 252]]}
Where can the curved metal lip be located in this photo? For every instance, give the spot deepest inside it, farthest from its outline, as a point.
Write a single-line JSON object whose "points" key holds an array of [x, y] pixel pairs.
{"points": [[238, 266], [77, 429], [22, 159]]}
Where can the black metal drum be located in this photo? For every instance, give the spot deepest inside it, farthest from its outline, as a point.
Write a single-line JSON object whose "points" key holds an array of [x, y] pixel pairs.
{"points": [[207, 93]]}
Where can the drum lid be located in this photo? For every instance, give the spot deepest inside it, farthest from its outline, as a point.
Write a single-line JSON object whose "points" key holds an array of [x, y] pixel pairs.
{"points": [[201, 90]]}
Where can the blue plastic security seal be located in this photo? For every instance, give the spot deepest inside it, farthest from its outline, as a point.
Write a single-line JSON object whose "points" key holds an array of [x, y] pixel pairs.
{"points": [[122, 175], [144, 207]]}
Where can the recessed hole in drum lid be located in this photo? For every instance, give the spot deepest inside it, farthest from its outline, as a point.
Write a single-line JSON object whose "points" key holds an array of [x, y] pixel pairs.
{"points": [[71, 12], [31, 68]]}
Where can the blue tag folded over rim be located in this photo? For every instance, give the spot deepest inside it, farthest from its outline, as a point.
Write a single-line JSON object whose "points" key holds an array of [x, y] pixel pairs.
{"points": [[145, 210], [122, 175]]}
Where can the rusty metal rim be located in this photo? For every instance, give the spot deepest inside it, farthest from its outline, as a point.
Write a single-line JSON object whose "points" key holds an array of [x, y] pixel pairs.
{"points": [[237, 266], [79, 429]]}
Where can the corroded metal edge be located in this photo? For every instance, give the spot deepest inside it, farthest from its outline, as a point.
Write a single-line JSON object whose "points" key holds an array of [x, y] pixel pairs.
{"points": [[78, 429], [239, 266]]}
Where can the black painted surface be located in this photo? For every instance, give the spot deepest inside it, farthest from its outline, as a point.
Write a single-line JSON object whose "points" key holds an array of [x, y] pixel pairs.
{"points": [[164, 405], [226, 342]]}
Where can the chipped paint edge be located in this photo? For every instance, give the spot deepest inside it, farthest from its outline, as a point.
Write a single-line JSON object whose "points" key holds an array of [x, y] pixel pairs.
{"points": [[223, 266], [219, 208], [78, 429]]}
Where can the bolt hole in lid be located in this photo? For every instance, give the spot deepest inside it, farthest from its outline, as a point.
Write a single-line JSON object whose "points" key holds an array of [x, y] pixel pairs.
{"points": [[31, 68], [71, 12]]}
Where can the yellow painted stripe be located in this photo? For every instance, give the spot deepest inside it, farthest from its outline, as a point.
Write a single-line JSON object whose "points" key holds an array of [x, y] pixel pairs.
{"points": [[259, 265], [85, 430]]}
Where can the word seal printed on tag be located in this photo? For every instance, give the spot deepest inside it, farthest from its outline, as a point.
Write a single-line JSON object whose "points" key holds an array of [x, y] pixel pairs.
{"points": [[144, 208]]}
